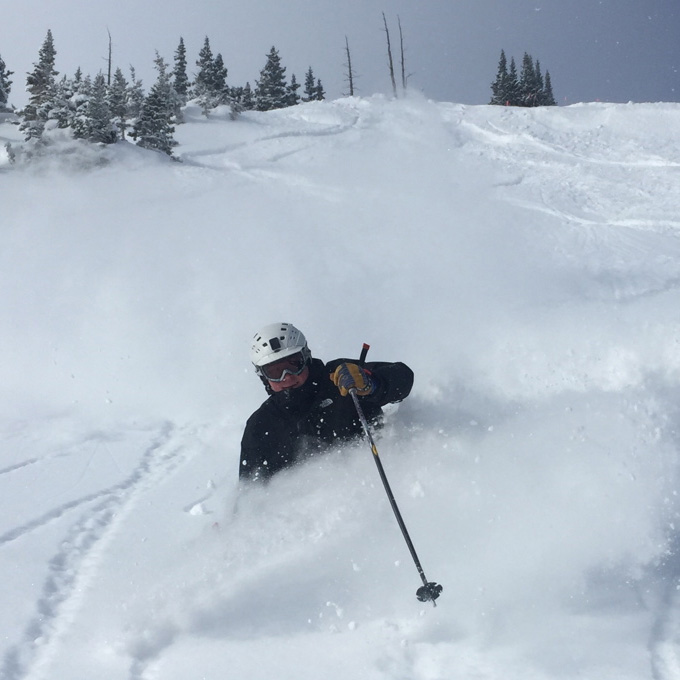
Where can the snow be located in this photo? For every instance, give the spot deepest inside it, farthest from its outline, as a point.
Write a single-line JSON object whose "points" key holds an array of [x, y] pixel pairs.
{"points": [[524, 262]]}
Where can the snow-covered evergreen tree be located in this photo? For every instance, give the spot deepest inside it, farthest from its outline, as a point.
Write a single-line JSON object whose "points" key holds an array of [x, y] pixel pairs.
{"points": [[154, 128], [271, 91], [5, 86], [313, 88], [40, 83], [117, 99], [219, 77], [540, 83], [310, 86], [529, 89], [499, 93], [528, 82], [135, 97], [82, 91], [100, 129], [248, 101], [210, 85], [180, 79], [236, 93], [514, 90], [319, 93], [203, 80], [293, 87], [548, 98], [61, 105]]}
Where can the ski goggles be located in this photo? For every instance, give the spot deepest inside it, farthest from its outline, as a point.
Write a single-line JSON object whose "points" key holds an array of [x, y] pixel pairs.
{"points": [[290, 365]]}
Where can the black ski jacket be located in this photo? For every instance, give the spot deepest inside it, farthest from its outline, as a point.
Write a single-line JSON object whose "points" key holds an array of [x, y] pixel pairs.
{"points": [[295, 424]]}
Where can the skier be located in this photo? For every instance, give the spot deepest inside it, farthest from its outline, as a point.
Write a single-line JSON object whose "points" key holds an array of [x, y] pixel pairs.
{"points": [[308, 409]]}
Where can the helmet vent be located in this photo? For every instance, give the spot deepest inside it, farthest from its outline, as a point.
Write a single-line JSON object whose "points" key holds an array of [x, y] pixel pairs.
{"points": [[275, 344]]}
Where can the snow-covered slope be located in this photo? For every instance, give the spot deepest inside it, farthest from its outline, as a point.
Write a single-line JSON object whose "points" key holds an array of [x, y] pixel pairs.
{"points": [[525, 264]]}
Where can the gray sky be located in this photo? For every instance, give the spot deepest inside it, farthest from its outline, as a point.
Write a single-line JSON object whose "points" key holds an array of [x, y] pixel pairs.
{"points": [[608, 50]]}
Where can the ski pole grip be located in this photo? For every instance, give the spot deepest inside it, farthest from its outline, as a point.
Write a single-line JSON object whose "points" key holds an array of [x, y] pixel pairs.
{"points": [[364, 352]]}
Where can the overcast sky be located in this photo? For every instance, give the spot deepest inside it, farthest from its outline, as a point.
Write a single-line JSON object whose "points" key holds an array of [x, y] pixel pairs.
{"points": [[608, 50]]}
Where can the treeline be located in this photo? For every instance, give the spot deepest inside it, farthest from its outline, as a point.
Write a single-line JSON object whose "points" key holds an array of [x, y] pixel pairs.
{"points": [[111, 107], [105, 109], [528, 88]]}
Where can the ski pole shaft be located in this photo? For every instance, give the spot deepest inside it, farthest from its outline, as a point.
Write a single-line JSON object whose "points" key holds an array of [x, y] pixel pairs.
{"points": [[430, 590]]}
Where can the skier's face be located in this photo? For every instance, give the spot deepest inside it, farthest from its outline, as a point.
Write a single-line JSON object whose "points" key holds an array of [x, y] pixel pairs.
{"points": [[290, 381]]}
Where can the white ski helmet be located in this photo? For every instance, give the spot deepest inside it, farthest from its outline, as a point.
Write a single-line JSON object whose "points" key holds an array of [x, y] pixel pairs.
{"points": [[276, 341]]}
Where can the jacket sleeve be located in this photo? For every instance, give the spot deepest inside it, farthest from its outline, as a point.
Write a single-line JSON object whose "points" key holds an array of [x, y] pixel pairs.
{"points": [[395, 381]]}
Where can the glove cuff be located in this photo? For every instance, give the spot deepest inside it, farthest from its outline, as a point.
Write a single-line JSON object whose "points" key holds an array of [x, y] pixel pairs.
{"points": [[371, 384]]}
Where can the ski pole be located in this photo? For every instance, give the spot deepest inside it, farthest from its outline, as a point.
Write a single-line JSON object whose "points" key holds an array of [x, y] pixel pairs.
{"points": [[430, 590]]}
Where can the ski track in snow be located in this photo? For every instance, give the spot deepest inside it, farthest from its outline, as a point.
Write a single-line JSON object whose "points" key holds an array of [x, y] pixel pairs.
{"points": [[80, 549], [19, 466], [263, 146], [33, 461]]}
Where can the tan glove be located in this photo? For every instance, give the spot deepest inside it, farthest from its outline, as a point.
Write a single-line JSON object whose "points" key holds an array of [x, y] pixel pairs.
{"points": [[347, 376]]}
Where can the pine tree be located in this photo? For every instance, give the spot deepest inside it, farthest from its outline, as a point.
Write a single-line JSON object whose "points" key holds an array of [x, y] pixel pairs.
{"points": [[499, 87], [41, 80], [80, 100], [154, 128], [319, 93], [310, 86], [135, 96], [204, 77], [247, 98], [219, 79], [236, 93], [5, 86], [62, 106], [513, 89], [48, 110], [271, 91], [539, 83], [527, 81], [293, 87], [40, 83], [117, 99], [548, 99], [100, 129], [181, 80]]}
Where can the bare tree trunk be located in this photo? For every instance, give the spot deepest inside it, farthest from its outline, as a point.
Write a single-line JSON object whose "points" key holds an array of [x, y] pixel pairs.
{"points": [[403, 66], [389, 55], [108, 79], [350, 73]]}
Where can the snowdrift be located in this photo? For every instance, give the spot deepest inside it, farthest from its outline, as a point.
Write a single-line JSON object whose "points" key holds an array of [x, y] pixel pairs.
{"points": [[524, 262]]}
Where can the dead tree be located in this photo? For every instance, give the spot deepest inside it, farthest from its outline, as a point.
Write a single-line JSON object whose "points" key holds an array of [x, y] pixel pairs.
{"points": [[389, 56], [403, 63], [350, 71], [108, 78]]}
